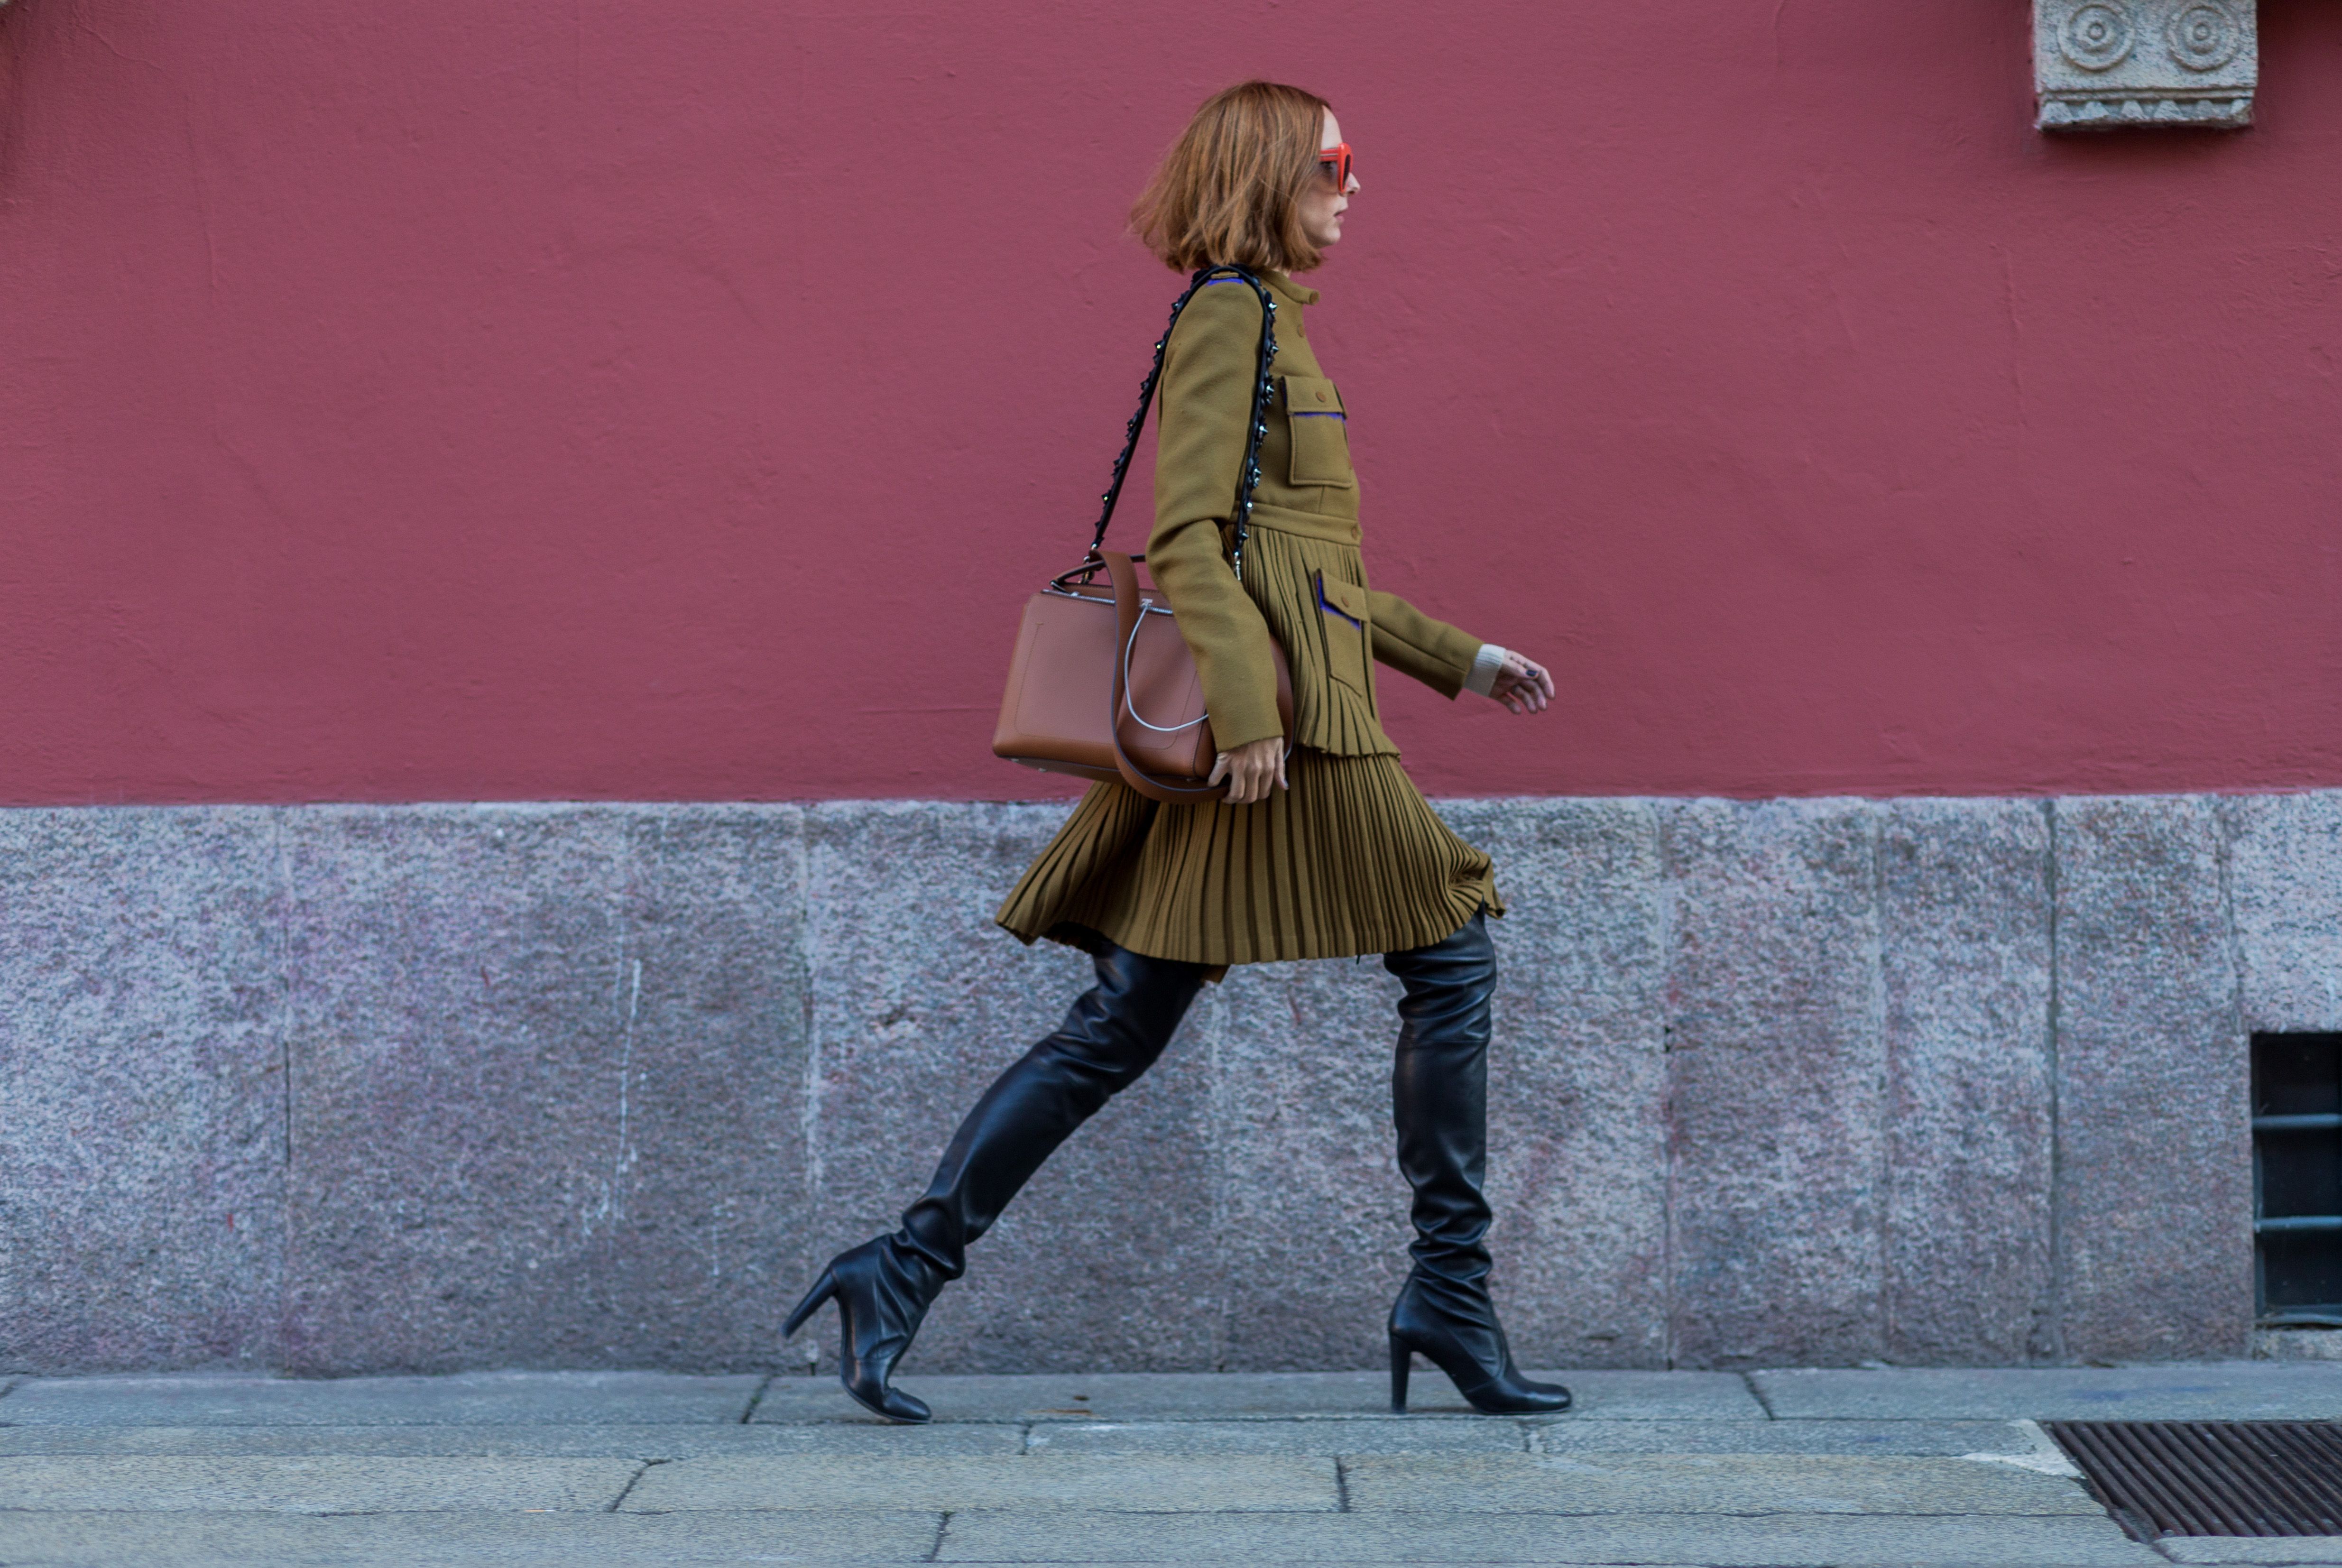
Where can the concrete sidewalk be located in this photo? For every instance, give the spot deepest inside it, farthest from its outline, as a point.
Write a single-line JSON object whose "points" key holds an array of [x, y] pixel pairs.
{"points": [[577, 1469]]}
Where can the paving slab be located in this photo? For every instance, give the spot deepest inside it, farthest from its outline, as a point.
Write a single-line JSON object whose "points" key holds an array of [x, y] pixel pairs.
{"points": [[1167, 1483], [470, 1399], [1602, 1395], [1222, 1396], [322, 1484], [460, 1539], [1419, 1435], [649, 1441], [1716, 1541], [1700, 1483], [2323, 1550], [1917, 1438], [2228, 1391], [1394, 1434]]}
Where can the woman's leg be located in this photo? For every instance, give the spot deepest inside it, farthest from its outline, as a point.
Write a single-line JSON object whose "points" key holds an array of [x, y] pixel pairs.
{"points": [[1111, 1036], [1440, 1100]]}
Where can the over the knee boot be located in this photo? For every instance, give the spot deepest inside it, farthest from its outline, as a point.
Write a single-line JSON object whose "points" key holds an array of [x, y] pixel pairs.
{"points": [[1440, 1100], [882, 1288]]}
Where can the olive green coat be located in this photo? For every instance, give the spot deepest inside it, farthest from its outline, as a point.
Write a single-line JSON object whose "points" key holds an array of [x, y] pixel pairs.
{"points": [[1350, 859], [1304, 582]]}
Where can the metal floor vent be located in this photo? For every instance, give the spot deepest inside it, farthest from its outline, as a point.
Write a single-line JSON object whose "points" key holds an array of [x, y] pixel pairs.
{"points": [[2211, 1477]]}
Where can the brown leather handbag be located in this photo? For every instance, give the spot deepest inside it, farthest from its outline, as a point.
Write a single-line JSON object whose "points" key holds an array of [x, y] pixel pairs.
{"points": [[1102, 685]]}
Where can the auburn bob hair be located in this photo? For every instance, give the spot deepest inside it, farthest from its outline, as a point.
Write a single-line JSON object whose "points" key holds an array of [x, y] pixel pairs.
{"points": [[1227, 193]]}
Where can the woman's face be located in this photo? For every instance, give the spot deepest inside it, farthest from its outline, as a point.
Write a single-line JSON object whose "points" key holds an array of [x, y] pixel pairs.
{"points": [[1322, 205]]}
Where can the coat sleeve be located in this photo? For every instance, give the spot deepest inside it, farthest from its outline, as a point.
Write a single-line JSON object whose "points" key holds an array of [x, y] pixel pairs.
{"points": [[1206, 397], [1413, 644]]}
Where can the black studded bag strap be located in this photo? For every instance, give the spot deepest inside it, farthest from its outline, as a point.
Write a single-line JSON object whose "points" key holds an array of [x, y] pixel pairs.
{"points": [[1247, 476]]}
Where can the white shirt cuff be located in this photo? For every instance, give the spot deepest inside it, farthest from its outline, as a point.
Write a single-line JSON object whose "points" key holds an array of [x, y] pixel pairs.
{"points": [[1486, 666]]}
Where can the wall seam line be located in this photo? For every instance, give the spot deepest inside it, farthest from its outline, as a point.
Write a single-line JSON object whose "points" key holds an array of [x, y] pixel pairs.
{"points": [[1667, 897], [2232, 932], [1883, 1225], [625, 1004], [2240, 1031], [1217, 1096], [280, 838], [2052, 1023], [816, 1177]]}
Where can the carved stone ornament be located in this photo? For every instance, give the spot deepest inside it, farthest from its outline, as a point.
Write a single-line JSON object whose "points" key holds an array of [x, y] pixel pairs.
{"points": [[2104, 64]]}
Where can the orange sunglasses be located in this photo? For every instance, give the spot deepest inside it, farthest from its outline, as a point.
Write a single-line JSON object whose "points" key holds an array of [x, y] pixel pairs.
{"points": [[1337, 159]]}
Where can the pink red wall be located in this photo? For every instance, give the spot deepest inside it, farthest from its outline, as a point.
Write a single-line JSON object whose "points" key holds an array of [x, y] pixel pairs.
{"points": [[561, 398]]}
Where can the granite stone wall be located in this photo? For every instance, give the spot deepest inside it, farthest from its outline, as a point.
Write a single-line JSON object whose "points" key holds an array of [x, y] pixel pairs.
{"points": [[347, 1089]]}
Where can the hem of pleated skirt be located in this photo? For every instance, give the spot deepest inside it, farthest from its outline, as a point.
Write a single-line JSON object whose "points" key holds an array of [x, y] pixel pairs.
{"points": [[1459, 913], [1096, 943], [1352, 861]]}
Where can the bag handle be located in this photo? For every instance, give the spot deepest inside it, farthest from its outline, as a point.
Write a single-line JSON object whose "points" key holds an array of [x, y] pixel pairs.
{"points": [[1247, 476], [1126, 613]]}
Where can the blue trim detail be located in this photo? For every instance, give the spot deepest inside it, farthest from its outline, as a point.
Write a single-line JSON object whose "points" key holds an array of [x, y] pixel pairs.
{"points": [[1318, 414], [1336, 609]]}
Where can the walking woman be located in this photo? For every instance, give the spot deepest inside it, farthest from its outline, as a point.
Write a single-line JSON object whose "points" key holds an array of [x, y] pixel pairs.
{"points": [[1321, 848]]}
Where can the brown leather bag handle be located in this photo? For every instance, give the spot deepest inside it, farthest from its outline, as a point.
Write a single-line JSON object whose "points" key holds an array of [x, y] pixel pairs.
{"points": [[1127, 611]]}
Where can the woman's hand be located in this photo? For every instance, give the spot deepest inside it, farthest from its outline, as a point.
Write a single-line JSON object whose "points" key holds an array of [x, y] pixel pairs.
{"points": [[1522, 685], [1251, 769]]}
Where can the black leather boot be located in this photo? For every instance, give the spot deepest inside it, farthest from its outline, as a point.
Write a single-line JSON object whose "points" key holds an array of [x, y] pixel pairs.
{"points": [[1439, 1099], [883, 1291], [1110, 1037]]}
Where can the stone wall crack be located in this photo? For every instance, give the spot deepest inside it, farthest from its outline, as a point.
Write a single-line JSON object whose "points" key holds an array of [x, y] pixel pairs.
{"points": [[627, 1489]]}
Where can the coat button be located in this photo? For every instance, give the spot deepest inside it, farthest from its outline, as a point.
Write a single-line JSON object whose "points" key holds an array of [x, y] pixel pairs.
{"points": [[1321, 397]]}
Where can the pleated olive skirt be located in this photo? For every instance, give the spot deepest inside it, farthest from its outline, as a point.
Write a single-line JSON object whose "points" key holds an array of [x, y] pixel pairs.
{"points": [[1349, 859]]}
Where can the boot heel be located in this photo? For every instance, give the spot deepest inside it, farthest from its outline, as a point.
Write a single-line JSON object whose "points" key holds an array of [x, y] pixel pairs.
{"points": [[1402, 1363], [822, 1289]]}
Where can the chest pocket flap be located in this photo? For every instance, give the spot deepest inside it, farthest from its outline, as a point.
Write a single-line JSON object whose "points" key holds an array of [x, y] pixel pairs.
{"points": [[1347, 597], [1321, 438]]}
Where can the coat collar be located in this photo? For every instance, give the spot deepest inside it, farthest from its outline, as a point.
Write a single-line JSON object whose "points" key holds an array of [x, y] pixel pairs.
{"points": [[1285, 288]]}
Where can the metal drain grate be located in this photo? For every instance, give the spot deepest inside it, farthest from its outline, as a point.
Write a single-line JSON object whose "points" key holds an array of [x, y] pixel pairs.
{"points": [[2211, 1477]]}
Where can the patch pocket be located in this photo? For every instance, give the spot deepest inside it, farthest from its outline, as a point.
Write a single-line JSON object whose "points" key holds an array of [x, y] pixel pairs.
{"points": [[1342, 615], [1320, 431]]}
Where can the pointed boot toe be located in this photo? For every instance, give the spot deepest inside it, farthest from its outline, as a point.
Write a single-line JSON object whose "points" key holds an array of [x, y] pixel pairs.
{"points": [[887, 1402], [1455, 1328], [882, 1292], [1518, 1395]]}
